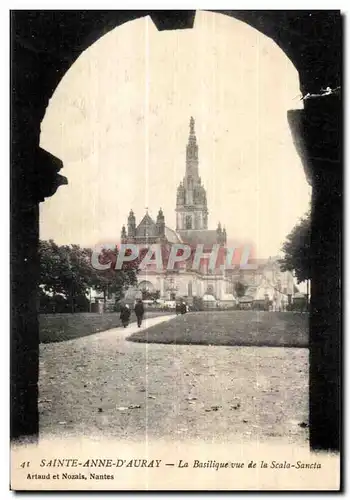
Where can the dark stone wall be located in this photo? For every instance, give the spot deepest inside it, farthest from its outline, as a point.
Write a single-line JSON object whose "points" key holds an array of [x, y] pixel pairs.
{"points": [[323, 132]]}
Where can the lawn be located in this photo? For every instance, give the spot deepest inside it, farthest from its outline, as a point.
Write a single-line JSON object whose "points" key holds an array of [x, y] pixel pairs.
{"points": [[105, 387], [61, 327], [231, 328]]}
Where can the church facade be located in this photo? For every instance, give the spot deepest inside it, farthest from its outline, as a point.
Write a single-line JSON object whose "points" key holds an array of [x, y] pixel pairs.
{"points": [[218, 283], [192, 230]]}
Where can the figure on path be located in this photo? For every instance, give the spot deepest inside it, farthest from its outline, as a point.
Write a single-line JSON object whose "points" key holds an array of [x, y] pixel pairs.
{"points": [[125, 315], [139, 311]]}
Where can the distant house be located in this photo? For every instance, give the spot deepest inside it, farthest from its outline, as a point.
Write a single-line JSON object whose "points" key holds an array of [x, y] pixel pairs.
{"points": [[268, 287]]}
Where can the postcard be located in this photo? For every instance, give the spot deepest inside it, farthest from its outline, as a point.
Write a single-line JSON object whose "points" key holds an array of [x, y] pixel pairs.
{"points": [[176, 226]]}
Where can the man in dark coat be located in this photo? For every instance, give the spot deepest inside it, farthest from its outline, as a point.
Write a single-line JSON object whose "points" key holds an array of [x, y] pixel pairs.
{"points": [[183, 308], [125, 315], [139, 311]]}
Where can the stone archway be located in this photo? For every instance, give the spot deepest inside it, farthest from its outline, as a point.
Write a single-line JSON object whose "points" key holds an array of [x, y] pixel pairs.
{"points": [[44, 46]]}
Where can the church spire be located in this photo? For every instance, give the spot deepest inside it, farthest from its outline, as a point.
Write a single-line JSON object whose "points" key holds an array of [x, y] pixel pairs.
{"points": [[131, 224], [160, 224], [192, 131], [123, 235], [192, 153]]}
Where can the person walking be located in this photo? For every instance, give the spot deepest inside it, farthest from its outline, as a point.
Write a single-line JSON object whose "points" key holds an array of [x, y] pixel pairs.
{"points": [[139, 311], [125, 315]]}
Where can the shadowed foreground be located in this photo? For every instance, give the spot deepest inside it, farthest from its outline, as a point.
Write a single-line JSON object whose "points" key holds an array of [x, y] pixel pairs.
{"points": [[231, 328]]}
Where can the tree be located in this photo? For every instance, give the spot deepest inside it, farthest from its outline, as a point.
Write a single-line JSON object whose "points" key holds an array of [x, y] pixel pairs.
{"points": [[67, 275], [65, 272], [240, 289], [297, 250], [113, 281]]}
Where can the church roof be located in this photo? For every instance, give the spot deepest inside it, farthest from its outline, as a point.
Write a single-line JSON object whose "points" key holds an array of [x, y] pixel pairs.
{"points": [[267, 262], [147, 220], [172, 236], [207, 237], [147, 227]]}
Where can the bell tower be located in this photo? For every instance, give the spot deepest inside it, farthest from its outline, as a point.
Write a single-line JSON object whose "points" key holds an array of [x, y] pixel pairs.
{"points": [[131, 225], [191, 201], [160, 224]]}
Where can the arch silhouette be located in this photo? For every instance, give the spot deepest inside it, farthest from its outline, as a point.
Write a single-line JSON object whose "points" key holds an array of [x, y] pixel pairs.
{"points": [[44, 46]]}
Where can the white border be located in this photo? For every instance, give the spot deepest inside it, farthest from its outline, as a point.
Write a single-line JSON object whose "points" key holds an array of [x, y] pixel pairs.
{"points": [[4, 185]]}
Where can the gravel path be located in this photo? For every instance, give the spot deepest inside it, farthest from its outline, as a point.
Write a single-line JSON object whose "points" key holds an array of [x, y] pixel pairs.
{"points": [[104, 385]]}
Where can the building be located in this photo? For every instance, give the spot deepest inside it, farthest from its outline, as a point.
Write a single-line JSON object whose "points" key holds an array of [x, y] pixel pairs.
{"points": [[192, 229], [266, 284]]}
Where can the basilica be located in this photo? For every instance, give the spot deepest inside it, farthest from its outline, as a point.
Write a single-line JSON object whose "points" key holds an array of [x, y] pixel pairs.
{"points": [[205, 282], [191, 229]]}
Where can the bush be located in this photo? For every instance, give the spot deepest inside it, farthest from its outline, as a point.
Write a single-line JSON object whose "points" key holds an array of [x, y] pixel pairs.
{"points": [[197, 304], [117, 307], [57, 304], [298, 305], [260, 306], [53, 305]]}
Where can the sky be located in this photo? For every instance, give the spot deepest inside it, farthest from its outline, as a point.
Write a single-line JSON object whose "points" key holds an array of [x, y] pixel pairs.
{"points": [[119, 121]]}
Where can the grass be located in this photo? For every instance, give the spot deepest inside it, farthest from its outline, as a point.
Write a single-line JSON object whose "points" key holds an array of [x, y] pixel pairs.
{"points": [[62, 327], [231, 328], [168, 392]]}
